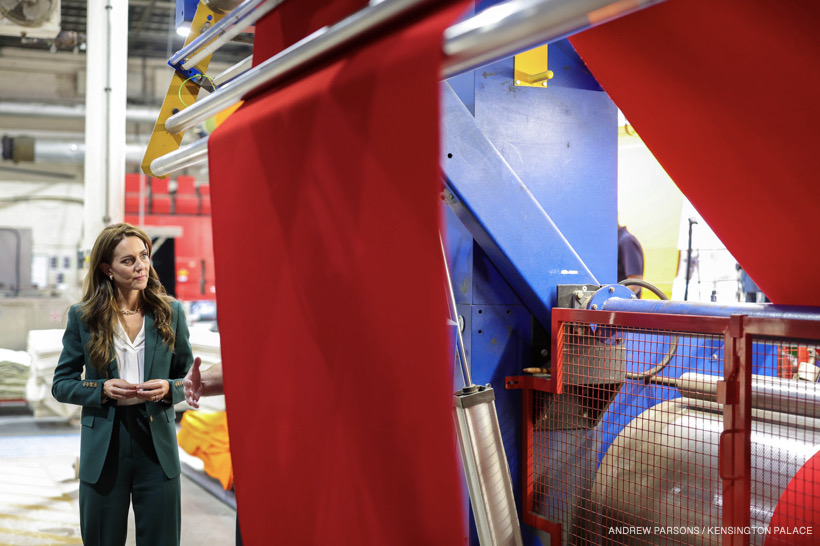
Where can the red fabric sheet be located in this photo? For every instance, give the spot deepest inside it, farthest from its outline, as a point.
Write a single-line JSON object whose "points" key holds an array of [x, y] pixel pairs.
{"points": [[796, 514], [292, 21], [332, 312], [724, 93]]}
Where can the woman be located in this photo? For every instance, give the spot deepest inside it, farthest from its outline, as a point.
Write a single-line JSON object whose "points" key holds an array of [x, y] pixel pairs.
{"points": [[132, 341]]}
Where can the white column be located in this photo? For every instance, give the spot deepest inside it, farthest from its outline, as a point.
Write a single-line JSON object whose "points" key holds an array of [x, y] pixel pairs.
{"points": [[105, 94]]}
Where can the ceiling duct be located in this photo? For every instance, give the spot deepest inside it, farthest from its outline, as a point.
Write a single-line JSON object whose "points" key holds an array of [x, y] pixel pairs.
{"points": [[25, 149], [30, 18]]}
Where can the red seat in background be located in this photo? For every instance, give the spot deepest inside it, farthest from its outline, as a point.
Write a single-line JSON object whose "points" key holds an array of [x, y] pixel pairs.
{"points": [[205, 199], [186, 200], [161, 202], [136, 193]]}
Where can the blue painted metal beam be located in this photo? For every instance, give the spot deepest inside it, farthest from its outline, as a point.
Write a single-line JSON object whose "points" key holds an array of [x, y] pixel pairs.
{"points": [[503, 216]]}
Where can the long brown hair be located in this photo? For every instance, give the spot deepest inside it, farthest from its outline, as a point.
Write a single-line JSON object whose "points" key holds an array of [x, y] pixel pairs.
{"points": [[99, 305]]}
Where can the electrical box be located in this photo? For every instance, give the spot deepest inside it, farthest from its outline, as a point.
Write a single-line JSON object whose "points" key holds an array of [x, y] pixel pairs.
{"points": [[15, 260]]}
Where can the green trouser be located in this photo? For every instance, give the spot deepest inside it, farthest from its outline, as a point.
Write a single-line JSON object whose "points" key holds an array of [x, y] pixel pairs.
{"points": [[131, 472]]}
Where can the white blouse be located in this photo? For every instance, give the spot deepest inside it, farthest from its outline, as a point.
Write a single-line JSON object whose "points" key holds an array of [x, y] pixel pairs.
{"points": [[130, 359]]}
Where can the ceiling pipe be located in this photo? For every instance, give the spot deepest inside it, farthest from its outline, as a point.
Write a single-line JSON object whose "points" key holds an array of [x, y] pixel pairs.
{"points": [[24, 149], [37, 110]]}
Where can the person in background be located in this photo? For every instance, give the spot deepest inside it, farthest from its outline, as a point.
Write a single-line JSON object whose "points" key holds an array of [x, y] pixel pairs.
{"points": [[630, 258], [125, 351], [751, 291]]}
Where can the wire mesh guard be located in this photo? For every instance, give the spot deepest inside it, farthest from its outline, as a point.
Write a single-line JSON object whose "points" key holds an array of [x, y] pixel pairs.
{"points": [[629, 451]]}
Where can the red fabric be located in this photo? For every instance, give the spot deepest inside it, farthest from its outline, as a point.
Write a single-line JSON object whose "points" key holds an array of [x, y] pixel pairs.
{"points": [[797, 512], [724, 93], [292, 21], [338, 375]]}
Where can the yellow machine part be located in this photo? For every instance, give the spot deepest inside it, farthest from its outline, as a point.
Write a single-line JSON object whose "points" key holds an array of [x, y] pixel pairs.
{"points": [[162, 142], [212, 123], [531, 68]]}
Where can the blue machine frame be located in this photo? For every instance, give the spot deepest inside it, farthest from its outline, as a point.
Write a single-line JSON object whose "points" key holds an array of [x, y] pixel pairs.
{"points": [[530, 203]]}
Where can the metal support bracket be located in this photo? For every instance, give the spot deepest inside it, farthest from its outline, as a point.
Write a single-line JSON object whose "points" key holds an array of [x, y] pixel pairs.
{"points": [[182, 90]]}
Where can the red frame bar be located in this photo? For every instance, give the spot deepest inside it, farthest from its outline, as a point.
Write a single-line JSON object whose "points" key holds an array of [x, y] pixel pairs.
{"points": [[680, 323], [735, 447]]}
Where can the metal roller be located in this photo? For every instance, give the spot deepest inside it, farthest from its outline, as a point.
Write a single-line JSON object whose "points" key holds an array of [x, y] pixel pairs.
{"points": [[485, 465], [668, 457], [222, 6], [768, 393]]}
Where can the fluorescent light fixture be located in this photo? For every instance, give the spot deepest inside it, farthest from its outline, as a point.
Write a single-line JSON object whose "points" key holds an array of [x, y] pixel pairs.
{"points": [[184, 29]]}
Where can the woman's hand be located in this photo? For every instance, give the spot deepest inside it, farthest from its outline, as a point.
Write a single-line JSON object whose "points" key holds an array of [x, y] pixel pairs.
{"points": [[153, 390], [119, 389]]}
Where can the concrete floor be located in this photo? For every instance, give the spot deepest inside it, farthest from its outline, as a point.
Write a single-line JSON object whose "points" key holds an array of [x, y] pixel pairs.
{"points": [[38, 489]]}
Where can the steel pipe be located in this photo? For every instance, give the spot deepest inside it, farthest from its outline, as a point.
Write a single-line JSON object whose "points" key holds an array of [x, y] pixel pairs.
{"points": [[37, 110], [768, 393], [240, 12], [234, 29], [510, 27], [239, 68], [186, 156], [281, 65]]}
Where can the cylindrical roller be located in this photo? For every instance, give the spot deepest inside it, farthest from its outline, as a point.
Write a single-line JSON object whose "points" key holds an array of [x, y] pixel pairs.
{"points": [[222, 6], [770, 393], [662, 472], [485, 464]]}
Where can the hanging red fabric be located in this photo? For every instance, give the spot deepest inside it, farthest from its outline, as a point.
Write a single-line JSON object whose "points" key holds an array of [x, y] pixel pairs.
{"points": [[338, 374], [724, 94]]}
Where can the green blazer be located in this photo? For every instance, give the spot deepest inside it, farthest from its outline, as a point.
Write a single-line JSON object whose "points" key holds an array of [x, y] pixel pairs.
{"points": [[97, 418]]}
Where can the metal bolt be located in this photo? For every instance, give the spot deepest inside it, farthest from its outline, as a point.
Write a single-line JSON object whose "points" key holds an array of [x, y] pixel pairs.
{"points": [[517, 82], [633, 296], [544, 352], [584, 288], [594, 306], [544, 84], [611, 289]]}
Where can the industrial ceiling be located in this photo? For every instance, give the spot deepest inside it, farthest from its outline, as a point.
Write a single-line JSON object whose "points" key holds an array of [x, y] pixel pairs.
{"points": [[151, 32]]}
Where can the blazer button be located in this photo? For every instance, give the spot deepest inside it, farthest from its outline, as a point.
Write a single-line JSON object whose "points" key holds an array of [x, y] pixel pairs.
{"points": [[151, 418]]}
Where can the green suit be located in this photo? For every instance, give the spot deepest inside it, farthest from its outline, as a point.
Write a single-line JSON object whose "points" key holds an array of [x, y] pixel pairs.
{"points": [[101, 422]]}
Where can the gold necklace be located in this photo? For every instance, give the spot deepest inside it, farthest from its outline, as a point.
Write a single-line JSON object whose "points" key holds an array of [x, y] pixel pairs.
{"points": [[134, 312]]}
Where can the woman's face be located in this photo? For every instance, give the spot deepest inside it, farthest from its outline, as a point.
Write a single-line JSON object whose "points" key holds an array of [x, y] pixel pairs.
{"points": [[130, 265]]}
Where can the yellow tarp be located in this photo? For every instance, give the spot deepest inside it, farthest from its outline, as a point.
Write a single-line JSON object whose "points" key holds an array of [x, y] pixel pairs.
{"points": [[205, 436]]}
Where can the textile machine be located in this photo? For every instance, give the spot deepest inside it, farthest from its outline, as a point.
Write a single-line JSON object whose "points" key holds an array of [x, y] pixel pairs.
{"points": [[644, 421]]}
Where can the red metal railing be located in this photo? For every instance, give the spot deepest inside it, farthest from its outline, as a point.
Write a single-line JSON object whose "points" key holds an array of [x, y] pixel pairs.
{"points": [[644, 431]]}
